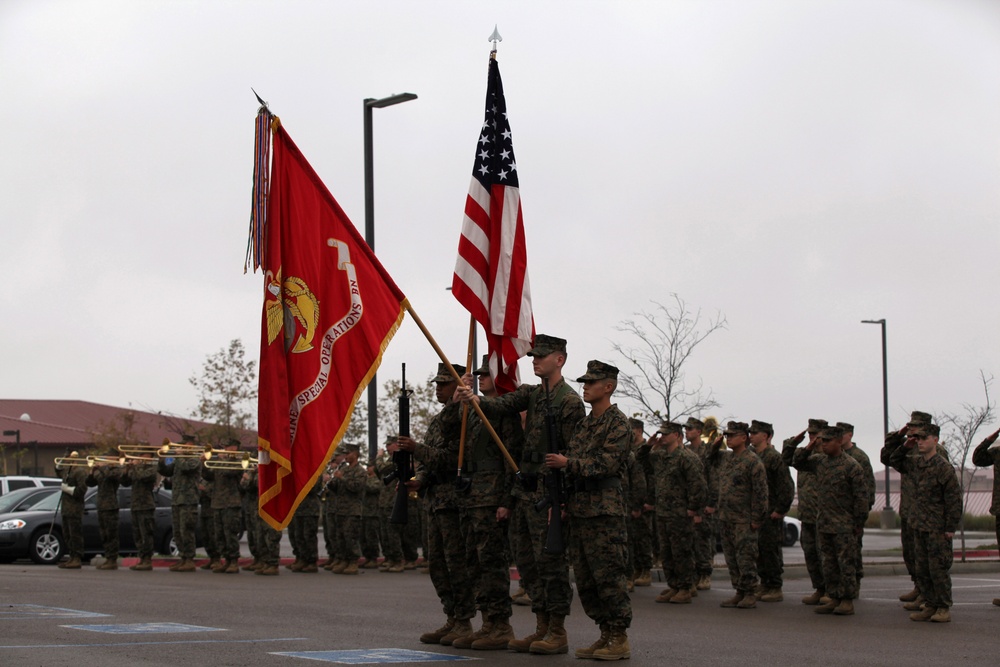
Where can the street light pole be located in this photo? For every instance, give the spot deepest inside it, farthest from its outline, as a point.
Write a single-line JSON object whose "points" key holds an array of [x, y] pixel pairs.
{"points": [[17, 434], [369, 104], [888, 520]]}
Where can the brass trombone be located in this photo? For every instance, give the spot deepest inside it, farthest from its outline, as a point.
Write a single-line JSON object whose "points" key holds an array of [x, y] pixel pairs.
{"points": [[106, 460], [185, 451], [133, 452], [224, 462], [73, 462]]}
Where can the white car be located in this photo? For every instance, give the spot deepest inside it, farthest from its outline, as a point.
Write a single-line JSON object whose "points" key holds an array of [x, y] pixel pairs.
{"points": [[10, 483]]}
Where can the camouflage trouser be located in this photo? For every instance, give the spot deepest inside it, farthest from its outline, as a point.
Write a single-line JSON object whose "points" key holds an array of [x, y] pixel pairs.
{"points": [[859, 567], [705, 534], [227, 530], [907, 539], [446, 558], [107, 524], [330, 535], [486, 561], [770, 560], [294, 533], [185, 523], [598, 548], [348, 537], [415, 531], [251, 524], [934, 555], [640, 543], [544, 576], [72, 527], [210, 538], [270, 543], [392, 540], [837, 552], [307, 537], [677, 535], [739, 544], [814, 560], [370, 537], [143, 532]]}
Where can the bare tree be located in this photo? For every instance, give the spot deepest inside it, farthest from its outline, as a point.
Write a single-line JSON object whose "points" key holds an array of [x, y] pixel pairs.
{"points": [[423, 406], [657, 356], [227, 391], [120, 430], [960, 437]]}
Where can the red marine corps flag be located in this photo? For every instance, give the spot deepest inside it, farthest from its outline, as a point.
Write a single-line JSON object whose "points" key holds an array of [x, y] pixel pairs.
{"points": [[329, 312], [491, 274]]}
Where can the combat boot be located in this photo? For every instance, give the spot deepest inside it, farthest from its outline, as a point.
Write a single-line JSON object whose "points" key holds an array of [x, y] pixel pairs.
{"points": [[370, 564], [941, 615], [72, 564], [186, 565], [541, 628], [338, 567], [996, 602], [351, 568], [704, 583], [296, 563], [466, 641], [915, 605], [666, 595], [232, 566], [828, 607], [845, 608], [499, 636], [733, 602], [396, 567], [108, 564], [268, 571], [911, 596], [309, 568], [682, 596], [617, 647], [555, 640], [144, 565], [172, 568], [434, 636], [330, 564], [630, 585], [213, 564], [644, 578], [462, 627], [600, 643], [693, 591], [816, 596], [924, 614], [772, 595], [252, 566], [749, 601], [410, 565]]}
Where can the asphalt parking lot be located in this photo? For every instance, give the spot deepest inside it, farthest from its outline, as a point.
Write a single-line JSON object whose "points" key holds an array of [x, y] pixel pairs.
{"points": [[88, 618]]}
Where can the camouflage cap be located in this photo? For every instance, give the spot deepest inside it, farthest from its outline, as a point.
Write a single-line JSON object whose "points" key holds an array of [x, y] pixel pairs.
{"points": [[485, 368], [917, 417], [598, 370], [926, 429], [636, 423], [831, 433], [444, 375], [848, 428], [187, 437], [817, 425], [694, 422], [351, 447], [756, 425], [670, 427], [732, 428], [545, 345]]}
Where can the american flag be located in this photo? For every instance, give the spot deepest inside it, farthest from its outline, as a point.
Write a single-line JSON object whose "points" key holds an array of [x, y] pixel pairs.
{"points": [[491, 274]]}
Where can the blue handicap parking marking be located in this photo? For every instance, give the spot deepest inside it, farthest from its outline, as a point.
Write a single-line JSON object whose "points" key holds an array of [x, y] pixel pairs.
{"points": [[375, 656], [144, 628], [22, 611]]}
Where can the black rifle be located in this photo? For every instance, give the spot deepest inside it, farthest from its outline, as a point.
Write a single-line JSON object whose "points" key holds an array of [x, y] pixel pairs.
{"points": [[553, 499], [403, 460]]}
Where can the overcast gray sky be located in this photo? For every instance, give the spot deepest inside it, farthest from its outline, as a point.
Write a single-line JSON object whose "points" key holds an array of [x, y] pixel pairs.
{"points": [[796, 166]]}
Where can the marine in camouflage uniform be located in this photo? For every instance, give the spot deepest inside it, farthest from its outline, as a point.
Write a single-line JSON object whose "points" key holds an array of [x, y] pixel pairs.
{"points": [[140, 475], [596, 463], [391, 533], [437, 464], [841, 514], [107, 477], [268, 539], [780, 493], [707, 530], [485, 508], [74, 490], [936, 517], [984, 457], [641, 501], [250, 502], [371, 519], [894, 441], [184, 474], [856, 453], [348, 488], [742, 507], [210, 538], [680, 492], [544, 576], [306, 533], [808, 502], [227, 510]]}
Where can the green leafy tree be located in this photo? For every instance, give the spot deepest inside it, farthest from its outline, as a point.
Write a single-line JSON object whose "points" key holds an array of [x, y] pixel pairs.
{"points": [[227, 392], [423, 406]]}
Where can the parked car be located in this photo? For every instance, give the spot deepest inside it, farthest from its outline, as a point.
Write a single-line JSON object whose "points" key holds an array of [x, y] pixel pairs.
{"points": [[10, 483], [793, 528], [31, 525]]}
